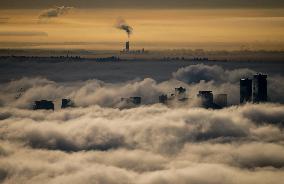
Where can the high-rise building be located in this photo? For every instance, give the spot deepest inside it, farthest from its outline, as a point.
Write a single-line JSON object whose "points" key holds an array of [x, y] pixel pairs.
{"points": [[136, 100], [221, 100], [245, 90], [65, 103], [43, 104], [206, 98], [259, 88]]}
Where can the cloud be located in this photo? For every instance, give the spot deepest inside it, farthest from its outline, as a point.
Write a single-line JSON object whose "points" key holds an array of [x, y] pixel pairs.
{"points": [[149, 144], [23, 33], [210, 173], [156, 128], [196, 73], [23, 92], [257, 114], [55, 12], [58, 167], [247, 155], [220, 80], [100, 141]]}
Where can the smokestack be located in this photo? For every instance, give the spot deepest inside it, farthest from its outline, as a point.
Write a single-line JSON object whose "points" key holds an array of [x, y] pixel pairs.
{"points": [[127, 46]]}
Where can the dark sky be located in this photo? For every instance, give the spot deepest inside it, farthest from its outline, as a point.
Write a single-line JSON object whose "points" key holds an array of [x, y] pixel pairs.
{"points": [[6, 4]]}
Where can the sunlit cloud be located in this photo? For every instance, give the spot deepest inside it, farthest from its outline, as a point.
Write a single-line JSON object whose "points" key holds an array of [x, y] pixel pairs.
{"points": [[54, 13]]}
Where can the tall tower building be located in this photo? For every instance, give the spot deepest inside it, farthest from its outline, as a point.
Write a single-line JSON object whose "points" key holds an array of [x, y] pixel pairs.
{"points": [[259, 88], [245, 90]]}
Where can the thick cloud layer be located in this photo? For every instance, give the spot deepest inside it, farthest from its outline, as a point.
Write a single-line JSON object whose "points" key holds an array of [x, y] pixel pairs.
{"points": [[22, 93], [100, 142], [151, 144]]}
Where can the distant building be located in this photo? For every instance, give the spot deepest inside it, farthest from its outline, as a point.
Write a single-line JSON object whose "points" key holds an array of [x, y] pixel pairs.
{"points": [[132, 100], [136, 100], [66, 103], [259, 88], [180, 93], [108, 59], [245, 90], [220, 100], [43, 104], [206, 98], [163, 99], [180, 96], [180, 90]]}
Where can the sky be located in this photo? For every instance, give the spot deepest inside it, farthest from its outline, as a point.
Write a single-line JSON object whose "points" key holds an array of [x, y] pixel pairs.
{"points": [[156, 24], [29, 4]]}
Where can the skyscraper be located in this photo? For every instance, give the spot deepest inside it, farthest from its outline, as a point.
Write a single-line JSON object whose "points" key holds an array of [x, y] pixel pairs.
{"points": [[259, 88], [206, 98], [245, 90]]}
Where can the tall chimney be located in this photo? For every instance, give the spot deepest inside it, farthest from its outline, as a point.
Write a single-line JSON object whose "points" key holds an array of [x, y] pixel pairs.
{"points": [[127, 46]]}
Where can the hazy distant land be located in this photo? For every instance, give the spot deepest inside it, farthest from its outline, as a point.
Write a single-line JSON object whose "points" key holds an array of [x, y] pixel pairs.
{"points": [[188, 54]]}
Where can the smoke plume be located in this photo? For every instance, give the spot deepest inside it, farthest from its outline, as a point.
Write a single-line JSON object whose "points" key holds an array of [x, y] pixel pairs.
{"points": [[123, 25]]}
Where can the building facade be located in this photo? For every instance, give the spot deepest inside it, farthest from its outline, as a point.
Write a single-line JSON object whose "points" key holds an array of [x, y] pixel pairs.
{"points": [[259, 88], [245, 90]]}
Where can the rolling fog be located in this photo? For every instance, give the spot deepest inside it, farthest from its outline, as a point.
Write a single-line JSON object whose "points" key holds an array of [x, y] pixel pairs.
{"points": [[117, 72], [100, 142]]}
